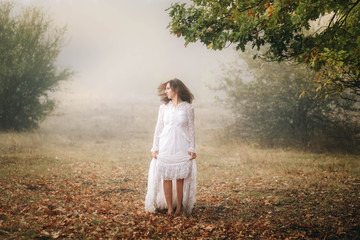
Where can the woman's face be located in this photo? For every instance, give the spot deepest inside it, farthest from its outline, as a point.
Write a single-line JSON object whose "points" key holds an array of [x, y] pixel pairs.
{"points": [[171, 94]]}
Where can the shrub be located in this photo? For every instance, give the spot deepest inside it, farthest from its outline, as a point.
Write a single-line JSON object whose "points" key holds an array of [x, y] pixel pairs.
{"points": [[29, 47], [274, 104]]}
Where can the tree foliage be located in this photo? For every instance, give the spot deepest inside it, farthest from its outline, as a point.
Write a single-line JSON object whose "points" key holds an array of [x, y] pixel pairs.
{"points": [[29, 47], [284, 27], [277, 107]]}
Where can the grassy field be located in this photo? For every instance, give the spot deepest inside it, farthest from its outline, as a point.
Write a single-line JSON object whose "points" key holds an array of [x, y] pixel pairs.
{"points": [[83, 175]]}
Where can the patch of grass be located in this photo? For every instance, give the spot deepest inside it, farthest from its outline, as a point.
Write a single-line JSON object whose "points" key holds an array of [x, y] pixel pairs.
{"points": [[30, 233]]}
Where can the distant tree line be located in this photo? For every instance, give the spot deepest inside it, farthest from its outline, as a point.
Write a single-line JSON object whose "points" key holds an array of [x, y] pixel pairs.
{"points": [[29, 47], [274, 105]]}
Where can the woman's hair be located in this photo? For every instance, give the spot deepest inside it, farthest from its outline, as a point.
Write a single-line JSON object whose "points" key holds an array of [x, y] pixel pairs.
{"points": [[183, 92]]}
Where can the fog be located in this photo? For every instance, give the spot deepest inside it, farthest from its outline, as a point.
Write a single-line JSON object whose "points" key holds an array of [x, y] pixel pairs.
{"points": [[120, 51], [123, 49]]}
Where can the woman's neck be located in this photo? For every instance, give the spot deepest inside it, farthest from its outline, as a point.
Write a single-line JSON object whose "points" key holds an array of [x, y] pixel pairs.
{"points": [[176, 101]]}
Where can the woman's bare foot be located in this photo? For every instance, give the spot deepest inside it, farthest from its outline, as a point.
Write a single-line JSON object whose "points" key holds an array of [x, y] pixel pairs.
{"points": [[178, 212], [170, 212]]}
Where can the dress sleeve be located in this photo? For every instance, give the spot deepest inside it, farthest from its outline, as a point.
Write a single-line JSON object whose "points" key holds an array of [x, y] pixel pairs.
{"points": [[158, 129], [191, 129]]}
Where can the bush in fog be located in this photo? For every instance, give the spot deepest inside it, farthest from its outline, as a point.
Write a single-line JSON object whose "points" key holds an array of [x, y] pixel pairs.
{"points": [[29, 47], [274, 105]]}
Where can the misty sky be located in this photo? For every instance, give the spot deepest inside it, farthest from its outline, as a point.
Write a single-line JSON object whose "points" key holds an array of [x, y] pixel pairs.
{"points": [[122, 48]]}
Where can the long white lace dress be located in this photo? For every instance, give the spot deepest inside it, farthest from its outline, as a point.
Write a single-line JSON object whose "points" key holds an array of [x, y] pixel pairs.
{"points": [[174, 138]]}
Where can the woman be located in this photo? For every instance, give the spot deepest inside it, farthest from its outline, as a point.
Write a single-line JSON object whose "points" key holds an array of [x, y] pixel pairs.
{"points": [[172, 173]]}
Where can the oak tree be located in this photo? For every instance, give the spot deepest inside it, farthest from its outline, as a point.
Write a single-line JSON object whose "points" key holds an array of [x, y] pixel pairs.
{"points": [[284, 28]]}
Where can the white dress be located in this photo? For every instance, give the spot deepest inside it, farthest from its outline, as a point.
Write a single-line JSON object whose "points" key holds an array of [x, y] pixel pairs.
{"points": [[174, 138]]}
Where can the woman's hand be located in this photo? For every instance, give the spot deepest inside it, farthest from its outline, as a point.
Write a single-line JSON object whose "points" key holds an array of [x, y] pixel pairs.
{"points": [[192, 155], [154, 154]]}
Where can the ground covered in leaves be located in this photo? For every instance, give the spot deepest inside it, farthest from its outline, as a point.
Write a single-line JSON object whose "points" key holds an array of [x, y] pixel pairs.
{"points": [[243, 193]]}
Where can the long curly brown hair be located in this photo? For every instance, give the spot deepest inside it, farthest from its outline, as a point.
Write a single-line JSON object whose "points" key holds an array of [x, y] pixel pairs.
{"points": [[183, 92]]}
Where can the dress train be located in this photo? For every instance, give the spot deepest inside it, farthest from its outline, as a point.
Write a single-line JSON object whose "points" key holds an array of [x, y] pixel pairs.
{"points": [[155, 197]]}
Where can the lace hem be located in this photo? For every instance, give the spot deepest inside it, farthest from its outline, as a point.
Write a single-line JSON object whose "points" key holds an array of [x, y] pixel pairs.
{"points": [[173, 171]]}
